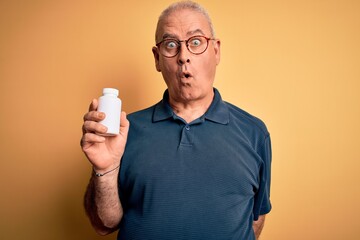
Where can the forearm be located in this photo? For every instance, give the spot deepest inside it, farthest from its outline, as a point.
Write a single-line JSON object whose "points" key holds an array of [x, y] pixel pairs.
{"points": [[258, 225], [102, 203]]}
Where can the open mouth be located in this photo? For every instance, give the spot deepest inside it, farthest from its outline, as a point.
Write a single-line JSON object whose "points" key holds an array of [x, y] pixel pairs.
{"points": [[185, 75]]}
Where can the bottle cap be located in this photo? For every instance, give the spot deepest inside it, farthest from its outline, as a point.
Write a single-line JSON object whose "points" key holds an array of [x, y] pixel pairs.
{"points": [[113, 91]]}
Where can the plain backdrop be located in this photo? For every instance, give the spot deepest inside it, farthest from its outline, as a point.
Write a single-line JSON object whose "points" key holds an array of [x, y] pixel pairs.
{"points": [[294, 64]]}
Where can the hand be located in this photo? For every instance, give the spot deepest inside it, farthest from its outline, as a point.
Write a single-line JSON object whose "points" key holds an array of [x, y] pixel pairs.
{"points": [[104, 153]]}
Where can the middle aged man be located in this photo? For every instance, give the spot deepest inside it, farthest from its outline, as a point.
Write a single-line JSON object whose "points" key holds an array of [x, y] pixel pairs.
{"points": [[194, 166]]}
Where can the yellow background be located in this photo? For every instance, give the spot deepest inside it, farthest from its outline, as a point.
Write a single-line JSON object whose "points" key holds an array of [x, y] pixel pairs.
{"points": [[294, 64]]}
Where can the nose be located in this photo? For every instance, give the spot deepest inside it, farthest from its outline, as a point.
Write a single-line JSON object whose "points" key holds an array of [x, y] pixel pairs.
{"points": [[184, 54]]}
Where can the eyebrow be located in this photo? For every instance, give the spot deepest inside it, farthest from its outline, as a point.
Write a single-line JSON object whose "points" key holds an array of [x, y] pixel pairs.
{"points": [[168, 35], [196, 31], [190, 33]]}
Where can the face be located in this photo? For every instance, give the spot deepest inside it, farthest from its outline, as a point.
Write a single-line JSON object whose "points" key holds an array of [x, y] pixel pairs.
{"points": [[189, 77]]}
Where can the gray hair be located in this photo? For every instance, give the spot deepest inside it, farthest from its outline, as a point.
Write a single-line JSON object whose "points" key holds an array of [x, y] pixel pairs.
{"points": [[190, 5]]}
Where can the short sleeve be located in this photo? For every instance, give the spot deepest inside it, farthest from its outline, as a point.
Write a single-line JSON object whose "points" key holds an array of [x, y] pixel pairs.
{"points": [[262, 204]]}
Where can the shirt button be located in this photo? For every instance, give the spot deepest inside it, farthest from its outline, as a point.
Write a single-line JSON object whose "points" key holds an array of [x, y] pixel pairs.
{"points": [[187, 127]]}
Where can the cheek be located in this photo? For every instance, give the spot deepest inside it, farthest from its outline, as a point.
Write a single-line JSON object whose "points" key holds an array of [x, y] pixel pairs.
{"points": [[168, 72], [209, 68], [168, 68]]}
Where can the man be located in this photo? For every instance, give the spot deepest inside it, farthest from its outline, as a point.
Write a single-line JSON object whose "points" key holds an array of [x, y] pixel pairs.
{"points": [[191, 166]]}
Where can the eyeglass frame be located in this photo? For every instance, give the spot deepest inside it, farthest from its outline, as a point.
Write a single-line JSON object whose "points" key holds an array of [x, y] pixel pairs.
{"points": [[186, 44]]}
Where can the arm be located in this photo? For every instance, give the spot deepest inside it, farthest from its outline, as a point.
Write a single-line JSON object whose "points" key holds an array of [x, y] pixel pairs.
{"points": [[265, 205], [258, 225], [101, 201]]}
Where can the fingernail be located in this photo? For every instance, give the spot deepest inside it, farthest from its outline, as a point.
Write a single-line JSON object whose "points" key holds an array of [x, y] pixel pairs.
{"points": [[101, 115]]}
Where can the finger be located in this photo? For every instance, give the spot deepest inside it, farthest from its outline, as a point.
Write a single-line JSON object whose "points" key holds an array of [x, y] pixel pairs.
{"points": [[94, 116], [94, 127], [124, 124], [94, 105], [89, 139], [83, 129]]}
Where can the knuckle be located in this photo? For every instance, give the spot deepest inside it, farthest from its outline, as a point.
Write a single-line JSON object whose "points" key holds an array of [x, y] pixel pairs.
{"points": [[87, 138], [93, 127], [88, 116], [90, 125], [85, 117], [86, 126], [92, 115], [84, 140]]}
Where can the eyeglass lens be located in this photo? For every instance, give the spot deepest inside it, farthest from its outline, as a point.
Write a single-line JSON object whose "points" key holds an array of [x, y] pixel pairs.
{"points": [[196, 45]]}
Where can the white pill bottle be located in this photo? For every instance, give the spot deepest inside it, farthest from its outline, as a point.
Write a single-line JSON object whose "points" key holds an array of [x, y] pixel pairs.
{"points": [[110, 104]]}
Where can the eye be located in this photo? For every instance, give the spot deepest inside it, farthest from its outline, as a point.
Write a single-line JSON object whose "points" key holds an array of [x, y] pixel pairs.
{"points": [[196, 42], [170, 44]]}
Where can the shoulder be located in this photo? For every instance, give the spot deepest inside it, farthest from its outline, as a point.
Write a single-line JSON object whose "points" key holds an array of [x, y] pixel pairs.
{"points": [[144, 114], [247, 121]]}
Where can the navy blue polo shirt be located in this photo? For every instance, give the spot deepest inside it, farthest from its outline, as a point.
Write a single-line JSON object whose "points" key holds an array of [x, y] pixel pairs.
{"points": [[208, 179]]}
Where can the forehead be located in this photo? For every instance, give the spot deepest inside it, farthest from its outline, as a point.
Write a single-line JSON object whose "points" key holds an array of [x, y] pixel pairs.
{"points": [[184, 23]]}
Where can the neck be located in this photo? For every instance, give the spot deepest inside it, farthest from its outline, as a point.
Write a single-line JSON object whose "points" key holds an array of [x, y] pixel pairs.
{"points": [[191, 110]]}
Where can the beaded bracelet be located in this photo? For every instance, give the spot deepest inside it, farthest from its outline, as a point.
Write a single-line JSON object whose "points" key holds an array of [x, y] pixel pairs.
{"points": [[102, 174]]}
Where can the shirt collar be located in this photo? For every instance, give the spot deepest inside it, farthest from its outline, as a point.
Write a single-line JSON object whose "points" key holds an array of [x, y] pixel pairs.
{"points": [[162, 109], [218, 111]]}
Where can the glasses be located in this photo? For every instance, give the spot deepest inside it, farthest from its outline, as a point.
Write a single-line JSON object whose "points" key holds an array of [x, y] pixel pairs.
{"points": [[170, 47]]}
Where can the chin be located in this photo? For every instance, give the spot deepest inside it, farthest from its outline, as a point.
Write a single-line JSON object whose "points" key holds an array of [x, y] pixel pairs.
{"points": [[191, 95]]}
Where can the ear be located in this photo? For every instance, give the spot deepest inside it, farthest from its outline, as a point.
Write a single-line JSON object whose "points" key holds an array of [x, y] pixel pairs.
{"points": [[156, 58], [217, 44]]}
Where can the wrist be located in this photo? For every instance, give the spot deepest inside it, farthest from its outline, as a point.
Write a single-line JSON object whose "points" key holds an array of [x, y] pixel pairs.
{"points": [[103, 173]]}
